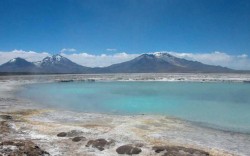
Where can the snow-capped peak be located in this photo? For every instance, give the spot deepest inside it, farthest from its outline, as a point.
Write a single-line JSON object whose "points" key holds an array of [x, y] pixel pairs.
{"points": [[58, 57], [162, 54], [15, 60], [158, 55], [12, 60], [53, 59]]}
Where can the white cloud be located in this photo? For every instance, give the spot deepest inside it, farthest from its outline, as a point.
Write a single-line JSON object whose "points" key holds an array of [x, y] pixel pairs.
{"points": [[68, 50], [28, 55], [218, 58], [242, 56], [214, 58], [101, 60], [111, 49]]}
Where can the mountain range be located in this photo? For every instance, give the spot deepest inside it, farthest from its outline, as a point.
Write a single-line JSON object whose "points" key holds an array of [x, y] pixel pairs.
{"points": [[145, 63]]}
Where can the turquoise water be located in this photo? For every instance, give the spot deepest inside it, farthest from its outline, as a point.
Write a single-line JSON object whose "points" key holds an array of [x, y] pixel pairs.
{"points": [[219, 105]]}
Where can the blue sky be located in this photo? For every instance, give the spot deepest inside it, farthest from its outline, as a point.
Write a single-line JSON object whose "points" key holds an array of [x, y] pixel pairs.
{"points": [[131, 26], [103, 32]]}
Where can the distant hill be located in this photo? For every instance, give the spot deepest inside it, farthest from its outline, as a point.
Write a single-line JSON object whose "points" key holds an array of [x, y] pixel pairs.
{"points": [[18, 65], [51, 64], [163, 63], [59, 64], [145, 63]]}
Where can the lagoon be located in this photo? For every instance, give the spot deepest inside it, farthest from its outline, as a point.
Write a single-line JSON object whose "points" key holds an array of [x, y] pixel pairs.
{"points": [[217, 105]]}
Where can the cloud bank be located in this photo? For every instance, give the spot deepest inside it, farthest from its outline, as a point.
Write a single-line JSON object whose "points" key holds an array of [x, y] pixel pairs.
{"points": [[102, 60], [28, 55], [241, 62], [214, 58]]}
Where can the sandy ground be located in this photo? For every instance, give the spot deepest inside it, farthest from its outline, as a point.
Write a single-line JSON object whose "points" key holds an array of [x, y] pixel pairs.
{"points": [[24, 120]]}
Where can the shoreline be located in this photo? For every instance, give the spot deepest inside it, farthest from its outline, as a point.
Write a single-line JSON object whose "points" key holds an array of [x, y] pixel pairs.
{"points": [[42, 126], [168, 77]]}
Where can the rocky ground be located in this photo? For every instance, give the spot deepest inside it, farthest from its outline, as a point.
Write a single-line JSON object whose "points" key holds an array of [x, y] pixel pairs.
{"points": [[13, 147], [17, 137]]}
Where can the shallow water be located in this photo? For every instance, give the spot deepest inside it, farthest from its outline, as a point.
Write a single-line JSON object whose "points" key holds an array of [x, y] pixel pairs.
{"points": [[219, 105]]}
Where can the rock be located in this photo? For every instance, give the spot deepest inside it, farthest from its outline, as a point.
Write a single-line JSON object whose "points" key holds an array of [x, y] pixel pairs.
{"points": [[8, 99], [91, 80], [159, 149], [179, 151], [19, 144], [77, 139], [6, 117], [4, 127], [74, 133], [65, 80], [128, 149], [62, 134], [98, 143], [5, 143], [21, 147]]}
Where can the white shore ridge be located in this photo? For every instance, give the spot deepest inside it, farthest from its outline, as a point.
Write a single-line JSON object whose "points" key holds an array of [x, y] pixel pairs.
{"points": [[30, 121]]}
